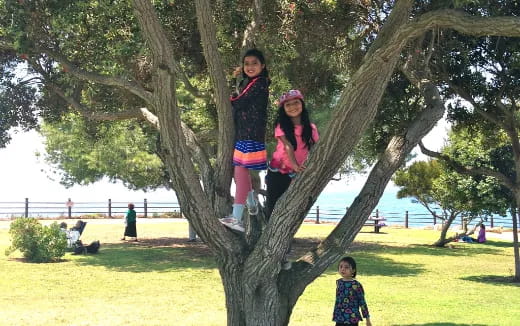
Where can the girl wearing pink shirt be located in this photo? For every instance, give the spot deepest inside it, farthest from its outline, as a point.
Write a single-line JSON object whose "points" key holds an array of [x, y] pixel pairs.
{"points": [[295, 135]]}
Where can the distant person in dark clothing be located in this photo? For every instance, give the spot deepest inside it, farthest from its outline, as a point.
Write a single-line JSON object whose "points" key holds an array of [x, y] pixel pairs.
{"points": [[130, 220]]}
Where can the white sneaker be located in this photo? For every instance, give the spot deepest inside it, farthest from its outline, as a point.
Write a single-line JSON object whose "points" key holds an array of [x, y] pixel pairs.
{"points": [[228, 220], [237, 226]]}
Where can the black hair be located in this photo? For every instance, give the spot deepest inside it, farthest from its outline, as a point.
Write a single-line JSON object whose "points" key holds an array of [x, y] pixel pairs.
{"points": [[351, 262], [482, 225], [287, 126], [265, 73], [131, 206]]}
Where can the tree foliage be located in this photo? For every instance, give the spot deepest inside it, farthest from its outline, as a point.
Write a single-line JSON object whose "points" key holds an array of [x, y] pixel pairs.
{"points": [[149, 67]]}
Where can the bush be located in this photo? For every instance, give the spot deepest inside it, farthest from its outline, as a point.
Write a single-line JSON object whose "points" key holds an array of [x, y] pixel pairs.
{"points": [[37, 243]]}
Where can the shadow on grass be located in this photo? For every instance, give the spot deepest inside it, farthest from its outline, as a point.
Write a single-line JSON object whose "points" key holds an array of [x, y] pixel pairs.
{"points": [[166, 254], [372, 262], [499, 244], [159, 255], [493, 279], [439, 324], [452, 250]]}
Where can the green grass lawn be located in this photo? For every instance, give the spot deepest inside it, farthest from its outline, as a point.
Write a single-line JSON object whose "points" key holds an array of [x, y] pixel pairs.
{"points": [[162, 280]]}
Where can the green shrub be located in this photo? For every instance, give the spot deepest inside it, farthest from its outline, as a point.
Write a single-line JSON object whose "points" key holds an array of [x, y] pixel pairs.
{"points": [[37, 243]]}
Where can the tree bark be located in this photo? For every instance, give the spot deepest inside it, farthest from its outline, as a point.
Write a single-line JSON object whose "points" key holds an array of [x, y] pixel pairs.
{"points": [[219, 191], [442, 241], [258, 292], [516, 249]]}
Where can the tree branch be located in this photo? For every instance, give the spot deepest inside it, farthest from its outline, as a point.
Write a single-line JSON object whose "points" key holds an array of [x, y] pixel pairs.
{"points": [[317, 260], [251, 33], [468, 24], [200, 157], [503, 179], [128, 85], [163, 52], [223, 168], [195, 199]]}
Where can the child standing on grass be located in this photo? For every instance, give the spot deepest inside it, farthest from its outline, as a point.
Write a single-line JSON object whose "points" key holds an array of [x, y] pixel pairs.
{"points": [[250, 119], [295, 135], [130, 223], [350, 297]]}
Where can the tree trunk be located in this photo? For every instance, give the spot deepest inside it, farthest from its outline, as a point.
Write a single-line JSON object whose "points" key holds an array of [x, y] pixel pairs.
{"points": [[257, 291], [250, 303], [442, 241], [516, 250]]}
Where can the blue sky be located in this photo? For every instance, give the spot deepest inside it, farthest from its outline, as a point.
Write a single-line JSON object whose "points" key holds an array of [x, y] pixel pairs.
{"points": [[23, 174]]}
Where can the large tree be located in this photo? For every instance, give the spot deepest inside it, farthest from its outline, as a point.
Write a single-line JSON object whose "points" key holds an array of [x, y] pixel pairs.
{"points": [[484, 73], [258, 291]]}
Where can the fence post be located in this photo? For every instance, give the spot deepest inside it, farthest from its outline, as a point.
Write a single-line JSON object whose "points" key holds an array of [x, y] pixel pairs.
{"points": [[406, 219], [109, 207], [145, 208], [434, 217], [317, 214], [492, 222], [377, 214], [26, 207], [69, 207]]}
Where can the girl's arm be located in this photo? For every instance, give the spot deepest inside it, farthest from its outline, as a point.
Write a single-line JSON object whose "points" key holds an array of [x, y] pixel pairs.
{"points": [[363, 305], [290, 153], [257, 89]]}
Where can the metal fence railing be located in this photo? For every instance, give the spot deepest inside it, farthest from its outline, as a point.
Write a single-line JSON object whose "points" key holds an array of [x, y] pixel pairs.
{"points": [[69, 209], [145, 208]]}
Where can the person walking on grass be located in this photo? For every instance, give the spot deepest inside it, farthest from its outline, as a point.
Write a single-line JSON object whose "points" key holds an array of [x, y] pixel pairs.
{"points": [[350, 296], [250, 119], [130, 223]]}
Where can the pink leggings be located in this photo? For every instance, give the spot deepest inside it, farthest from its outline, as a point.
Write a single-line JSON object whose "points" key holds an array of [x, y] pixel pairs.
{"points": [[242, 183]]}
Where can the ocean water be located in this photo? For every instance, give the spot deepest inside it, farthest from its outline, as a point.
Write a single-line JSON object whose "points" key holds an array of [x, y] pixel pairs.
{"points": [[330, 206]]}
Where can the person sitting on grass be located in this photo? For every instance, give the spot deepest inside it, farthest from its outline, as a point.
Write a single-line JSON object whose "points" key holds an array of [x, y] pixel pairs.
{"points": [[481, 238]]}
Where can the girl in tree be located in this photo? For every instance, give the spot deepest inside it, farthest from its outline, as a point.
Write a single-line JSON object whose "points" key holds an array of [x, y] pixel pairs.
{"points": [[250, 118], [130, 223], [295, 135], [350, 297]]}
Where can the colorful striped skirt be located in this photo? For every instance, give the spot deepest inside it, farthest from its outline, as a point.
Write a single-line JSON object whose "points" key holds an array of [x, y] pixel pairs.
{"points": [[250, 154]]}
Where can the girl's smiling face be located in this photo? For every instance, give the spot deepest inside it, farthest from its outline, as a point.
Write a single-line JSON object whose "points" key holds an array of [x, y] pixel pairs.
{"points": [[293, 108], [345, 270], [252, 66]]}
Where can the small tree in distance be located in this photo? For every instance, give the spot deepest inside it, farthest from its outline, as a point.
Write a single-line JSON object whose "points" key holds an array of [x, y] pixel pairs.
{"points": [[436, 187]]}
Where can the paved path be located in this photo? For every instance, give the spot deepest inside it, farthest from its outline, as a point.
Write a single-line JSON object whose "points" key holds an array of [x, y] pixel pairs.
{"points": [[508, 236]]}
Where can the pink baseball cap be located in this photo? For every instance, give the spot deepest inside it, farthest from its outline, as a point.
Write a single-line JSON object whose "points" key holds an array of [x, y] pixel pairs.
{"points": [[290, 95]]}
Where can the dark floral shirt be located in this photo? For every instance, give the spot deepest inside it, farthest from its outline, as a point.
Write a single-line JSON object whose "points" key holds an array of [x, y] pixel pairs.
{"points": [[250, 110], [350, 298]]}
